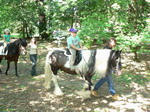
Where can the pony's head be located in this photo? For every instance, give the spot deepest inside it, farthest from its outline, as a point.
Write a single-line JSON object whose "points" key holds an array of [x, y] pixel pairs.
{"points": [[116, 61], [23, 42], [23, 45]]}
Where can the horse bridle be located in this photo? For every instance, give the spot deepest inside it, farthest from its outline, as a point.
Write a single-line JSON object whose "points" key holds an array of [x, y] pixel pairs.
{"points": [[22, 48]]}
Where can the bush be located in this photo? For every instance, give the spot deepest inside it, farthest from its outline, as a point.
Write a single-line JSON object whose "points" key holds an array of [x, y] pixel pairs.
{"points": [[93, 30], [137, 43]]}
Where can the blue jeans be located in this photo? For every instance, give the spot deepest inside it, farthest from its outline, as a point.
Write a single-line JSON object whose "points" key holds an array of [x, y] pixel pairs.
{"points": [[33, 58], [109, 80]]}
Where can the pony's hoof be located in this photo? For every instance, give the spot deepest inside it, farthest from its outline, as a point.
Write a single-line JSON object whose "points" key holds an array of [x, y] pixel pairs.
{"points": [[58, 93], [47, 86], [84, 94]]}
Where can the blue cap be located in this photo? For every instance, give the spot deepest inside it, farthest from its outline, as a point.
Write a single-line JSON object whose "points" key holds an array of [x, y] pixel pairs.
{"points": [[73, 30]]}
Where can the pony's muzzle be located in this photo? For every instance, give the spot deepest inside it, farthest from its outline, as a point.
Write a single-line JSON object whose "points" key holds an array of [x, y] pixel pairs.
{"points": [[119, 72], [23, 50]]}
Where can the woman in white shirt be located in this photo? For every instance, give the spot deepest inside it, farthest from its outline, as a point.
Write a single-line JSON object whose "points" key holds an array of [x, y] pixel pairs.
{"points": [[33, 55]]}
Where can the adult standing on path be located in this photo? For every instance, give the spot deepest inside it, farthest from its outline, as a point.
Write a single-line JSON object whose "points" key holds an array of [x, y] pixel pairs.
{"points": [[33, 55]]}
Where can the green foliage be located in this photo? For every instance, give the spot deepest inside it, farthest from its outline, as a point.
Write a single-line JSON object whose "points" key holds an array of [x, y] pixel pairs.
{"points": [[97, 20], [5, 108], [128, 78], [16, 35], [94, 28], [135, 43], [15, 14]]}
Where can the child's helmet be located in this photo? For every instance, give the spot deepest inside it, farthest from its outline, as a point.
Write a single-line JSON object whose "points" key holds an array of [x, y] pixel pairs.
{"points": [[7, 30]]}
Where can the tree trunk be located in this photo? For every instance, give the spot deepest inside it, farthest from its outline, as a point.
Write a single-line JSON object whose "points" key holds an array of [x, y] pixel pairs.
{"points": [[42, 26]]}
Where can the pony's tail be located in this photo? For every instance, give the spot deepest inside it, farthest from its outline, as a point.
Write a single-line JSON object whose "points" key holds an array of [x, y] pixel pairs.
{"points": [[48, 72]]}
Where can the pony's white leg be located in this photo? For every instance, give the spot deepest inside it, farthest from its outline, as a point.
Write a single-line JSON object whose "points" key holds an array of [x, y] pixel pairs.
{"points": [[85, 94], [86, 85], [57, 90], [48, 75]]}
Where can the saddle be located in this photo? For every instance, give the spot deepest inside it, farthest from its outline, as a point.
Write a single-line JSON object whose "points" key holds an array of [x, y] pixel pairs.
{"points": [[3, 50], [77, 58]]}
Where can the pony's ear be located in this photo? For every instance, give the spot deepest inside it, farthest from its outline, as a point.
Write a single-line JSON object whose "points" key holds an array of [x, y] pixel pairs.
{"points": [[117, 52], [120, 52], [113, 54], [20, 39]]}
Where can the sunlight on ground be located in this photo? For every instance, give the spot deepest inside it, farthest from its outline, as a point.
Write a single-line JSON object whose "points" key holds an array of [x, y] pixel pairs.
{"points": [[27, 93]]}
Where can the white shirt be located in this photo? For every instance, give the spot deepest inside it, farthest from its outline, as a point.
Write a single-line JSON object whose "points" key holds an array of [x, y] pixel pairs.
{"points": [[33, 49]]}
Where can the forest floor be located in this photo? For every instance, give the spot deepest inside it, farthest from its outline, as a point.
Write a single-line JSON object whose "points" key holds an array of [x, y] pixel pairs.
{"points": [[27, 93]]}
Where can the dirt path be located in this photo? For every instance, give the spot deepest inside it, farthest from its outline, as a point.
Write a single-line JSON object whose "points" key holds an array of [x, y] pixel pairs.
{"points": [[27, 93]]}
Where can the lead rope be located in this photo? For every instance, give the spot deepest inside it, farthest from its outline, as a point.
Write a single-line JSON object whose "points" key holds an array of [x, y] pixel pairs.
{"points": [[28, 61]]}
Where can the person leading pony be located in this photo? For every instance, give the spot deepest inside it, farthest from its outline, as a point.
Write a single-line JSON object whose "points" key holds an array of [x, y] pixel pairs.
{"points": [[110, 44]]}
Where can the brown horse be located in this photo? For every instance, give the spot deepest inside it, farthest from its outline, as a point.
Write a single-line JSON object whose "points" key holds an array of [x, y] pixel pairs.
{"points": [[14, 50]]}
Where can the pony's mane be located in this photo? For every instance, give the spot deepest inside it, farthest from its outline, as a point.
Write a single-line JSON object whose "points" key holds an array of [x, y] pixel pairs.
{"points": [[14, 42], [13, 47]]}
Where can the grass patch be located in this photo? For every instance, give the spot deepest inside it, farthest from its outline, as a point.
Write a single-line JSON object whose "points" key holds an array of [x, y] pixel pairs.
{"points": [[128, 78], [4, 86], [22, 86], [6, 108]]}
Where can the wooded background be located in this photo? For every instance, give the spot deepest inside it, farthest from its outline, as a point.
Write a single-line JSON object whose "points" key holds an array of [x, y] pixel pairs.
{"points": [[97, 20]]}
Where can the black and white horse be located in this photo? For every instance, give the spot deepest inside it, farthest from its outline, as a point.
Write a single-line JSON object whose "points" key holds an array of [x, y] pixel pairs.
{"points": [[13, 52], [93, 62]]}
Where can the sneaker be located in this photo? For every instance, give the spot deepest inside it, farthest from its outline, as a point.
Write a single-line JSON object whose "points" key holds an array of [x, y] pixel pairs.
{"points": [[94, 93], [116, 97]]}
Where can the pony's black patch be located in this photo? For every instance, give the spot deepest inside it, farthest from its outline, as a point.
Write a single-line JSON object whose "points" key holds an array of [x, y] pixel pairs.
{"points": [[1, 43], [112, 63], [59, 59], [58, 56], [91, 62], [68, 52], [91, 65]]}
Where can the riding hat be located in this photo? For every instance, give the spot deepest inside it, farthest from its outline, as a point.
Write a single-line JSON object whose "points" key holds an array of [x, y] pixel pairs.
{"points": [[7, 30], [73, 30]]}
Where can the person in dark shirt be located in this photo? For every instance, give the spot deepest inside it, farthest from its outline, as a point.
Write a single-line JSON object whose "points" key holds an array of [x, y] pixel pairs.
{"points": [[110, 44]]}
